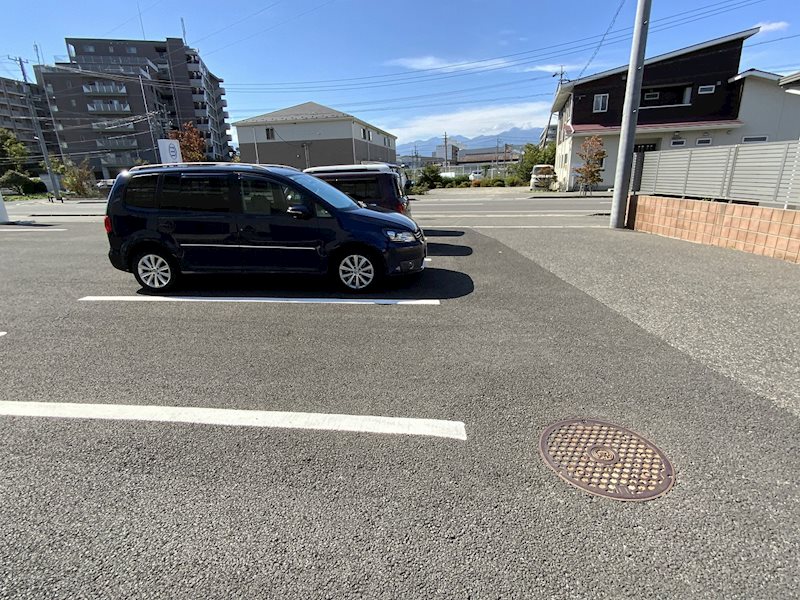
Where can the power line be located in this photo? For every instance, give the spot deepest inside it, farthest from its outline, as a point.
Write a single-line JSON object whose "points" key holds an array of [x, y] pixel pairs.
{"points": [[602, 39]]}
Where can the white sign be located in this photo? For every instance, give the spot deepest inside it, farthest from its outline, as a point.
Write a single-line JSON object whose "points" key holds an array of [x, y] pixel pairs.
{"points": [[170, 151]]}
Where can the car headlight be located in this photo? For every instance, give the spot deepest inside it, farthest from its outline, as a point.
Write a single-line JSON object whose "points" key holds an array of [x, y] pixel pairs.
{"points": [[399, 236]]}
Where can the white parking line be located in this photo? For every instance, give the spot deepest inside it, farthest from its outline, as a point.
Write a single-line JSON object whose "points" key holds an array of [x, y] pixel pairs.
{"points": [[505, 215], [525, 226], [20, 229], [2, 333], [238, 418], [256, 300], [428, 260]]}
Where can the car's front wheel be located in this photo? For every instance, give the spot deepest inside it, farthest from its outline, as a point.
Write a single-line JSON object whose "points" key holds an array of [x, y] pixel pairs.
{"points": [[358, 271], [155, 270]]}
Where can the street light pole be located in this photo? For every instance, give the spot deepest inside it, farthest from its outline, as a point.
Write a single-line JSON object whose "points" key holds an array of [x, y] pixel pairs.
{"points": [[630, 113]]}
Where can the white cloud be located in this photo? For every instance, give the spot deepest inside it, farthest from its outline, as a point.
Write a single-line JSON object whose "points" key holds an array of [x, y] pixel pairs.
{"points": [[552, 68], [421, 63], [473, 122], [768, 26]]}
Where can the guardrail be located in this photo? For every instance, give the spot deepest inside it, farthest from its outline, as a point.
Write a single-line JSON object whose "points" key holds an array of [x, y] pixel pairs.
{"points": [[767, 173]]}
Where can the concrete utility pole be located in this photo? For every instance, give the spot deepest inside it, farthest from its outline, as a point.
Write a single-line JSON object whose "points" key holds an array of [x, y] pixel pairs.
{"points": [[37, 128], [445, 151], [630, 113]]}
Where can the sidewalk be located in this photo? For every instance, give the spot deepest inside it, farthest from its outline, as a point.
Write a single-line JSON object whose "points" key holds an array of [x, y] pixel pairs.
{"points": [[736, 312]]}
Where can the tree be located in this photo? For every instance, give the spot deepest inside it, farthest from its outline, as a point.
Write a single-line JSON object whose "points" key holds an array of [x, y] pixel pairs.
{"points": [[193, 145], [13, 153], [592, 154], [77, 179], [17, 181], [430, 176], [535, 155]]}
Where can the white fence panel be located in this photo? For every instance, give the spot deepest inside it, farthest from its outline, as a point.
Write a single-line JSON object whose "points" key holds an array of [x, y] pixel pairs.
{"points": [[754, 172]]}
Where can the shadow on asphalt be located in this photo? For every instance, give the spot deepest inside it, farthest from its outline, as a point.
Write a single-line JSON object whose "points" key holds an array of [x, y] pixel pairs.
{"points": [[431, 284], [441, 232], [437, 249]]}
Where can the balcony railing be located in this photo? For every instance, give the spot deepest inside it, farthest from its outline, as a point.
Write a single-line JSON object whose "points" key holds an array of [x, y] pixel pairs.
{"points": [[111, 107], [117, 144], [112, 125], [117, 160], [105, 89]]}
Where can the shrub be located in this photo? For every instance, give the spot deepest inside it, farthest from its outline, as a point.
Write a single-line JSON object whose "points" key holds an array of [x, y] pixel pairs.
{"points": [[17, 181], [497, 182], [418, 190], [36, 186], [475, 183], [430, 176], [459, 179], [513, 180], [464, 184]]}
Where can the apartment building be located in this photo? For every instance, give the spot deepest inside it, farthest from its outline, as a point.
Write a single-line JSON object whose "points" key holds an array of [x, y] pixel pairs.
{"points": [[15, 115], [111, 99]]}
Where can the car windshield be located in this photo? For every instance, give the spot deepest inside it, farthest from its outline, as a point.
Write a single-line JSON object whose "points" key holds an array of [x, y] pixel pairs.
{"points": [[325, 191]]}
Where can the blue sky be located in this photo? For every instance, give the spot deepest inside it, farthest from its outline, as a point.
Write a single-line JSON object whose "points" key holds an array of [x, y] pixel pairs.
{"points": [[414, 68]]}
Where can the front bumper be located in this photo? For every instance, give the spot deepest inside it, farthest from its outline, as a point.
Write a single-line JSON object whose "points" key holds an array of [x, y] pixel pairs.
{"points": [[406, 259]]}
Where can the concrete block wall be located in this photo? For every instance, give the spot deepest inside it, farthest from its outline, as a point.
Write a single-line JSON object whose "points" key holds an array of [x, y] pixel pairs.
{"points": [[765, 231]]}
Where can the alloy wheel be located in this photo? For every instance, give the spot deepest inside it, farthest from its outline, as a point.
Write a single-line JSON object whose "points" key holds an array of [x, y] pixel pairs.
{"points": [[356, 271], [154, 271]]}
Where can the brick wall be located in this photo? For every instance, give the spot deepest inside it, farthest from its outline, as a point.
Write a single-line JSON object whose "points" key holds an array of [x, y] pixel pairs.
{"points": [[769, 232]]}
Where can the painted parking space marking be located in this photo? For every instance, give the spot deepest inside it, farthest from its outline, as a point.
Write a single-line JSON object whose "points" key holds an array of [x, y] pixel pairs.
{"points": [[256, 299], [524, 226], [2, 333], [25, 229], [238, 418]]}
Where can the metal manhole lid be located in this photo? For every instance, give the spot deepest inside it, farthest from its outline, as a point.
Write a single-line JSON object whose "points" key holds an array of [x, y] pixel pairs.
{"points": [[606, 460]]}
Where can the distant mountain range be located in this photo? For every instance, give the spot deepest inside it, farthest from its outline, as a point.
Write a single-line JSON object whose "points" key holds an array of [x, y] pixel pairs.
{"points": [[515, 136]]}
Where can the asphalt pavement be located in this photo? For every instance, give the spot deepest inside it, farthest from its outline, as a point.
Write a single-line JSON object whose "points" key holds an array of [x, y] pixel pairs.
{"points": [[540, 318]]}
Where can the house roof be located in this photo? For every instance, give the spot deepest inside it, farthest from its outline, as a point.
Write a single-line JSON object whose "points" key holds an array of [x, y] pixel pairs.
{"points": [[790, 80], [595, 129], [755, 73], [308, 111], [566, 88]]}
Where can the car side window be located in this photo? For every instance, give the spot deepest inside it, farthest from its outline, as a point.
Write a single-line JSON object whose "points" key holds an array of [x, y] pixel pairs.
{"points": [[209, 193], [141, 191], [364, 190], [263, 197], [321, 211]]}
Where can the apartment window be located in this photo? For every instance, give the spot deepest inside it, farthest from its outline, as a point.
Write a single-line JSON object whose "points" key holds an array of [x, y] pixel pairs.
{"points": [[385, 141], [665, 96], [270, 131], [130, 49], [706, 89], [363, 133], [755, 139], [704, 141], [600, 103], [677, 143], [111, 49], [652, 95], [369, 134], [88, 48], [54, 107]]}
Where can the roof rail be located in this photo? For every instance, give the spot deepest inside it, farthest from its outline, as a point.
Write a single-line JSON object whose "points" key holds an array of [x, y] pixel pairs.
{"points": [[208, 164]]}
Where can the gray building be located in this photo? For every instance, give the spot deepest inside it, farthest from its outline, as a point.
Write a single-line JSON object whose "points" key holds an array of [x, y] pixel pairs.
{"points": [[312, 135], [111, 99], [17, 117]]}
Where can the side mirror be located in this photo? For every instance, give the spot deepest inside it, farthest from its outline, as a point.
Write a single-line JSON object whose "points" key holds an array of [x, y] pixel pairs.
{"points": [[299, 211]]}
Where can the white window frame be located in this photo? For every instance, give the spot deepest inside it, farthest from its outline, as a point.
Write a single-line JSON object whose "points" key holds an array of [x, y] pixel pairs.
{"points": [[600, 97], [131, 50], [363, 133], [706, 89], [677, 143], [755, 139], [702, 141], [652, 95], [269, 132]]}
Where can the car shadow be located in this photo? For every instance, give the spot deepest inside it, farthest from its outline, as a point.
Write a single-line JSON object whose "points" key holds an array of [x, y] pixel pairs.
{"points": [[441, 232], [437, 249], [430, 284]]}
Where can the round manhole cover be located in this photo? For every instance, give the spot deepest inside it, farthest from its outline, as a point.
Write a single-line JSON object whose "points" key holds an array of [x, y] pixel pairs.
{"points": [[606, 460]]}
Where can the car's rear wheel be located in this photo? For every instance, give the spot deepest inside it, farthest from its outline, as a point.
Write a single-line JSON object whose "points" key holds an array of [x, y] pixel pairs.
{"points": [[155, 270], [358, 270]]}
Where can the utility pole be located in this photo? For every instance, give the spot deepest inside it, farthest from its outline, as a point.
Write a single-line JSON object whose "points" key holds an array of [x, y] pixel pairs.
{"points": [[445, 151], [630, 113], [149, 123], [37, 129]]}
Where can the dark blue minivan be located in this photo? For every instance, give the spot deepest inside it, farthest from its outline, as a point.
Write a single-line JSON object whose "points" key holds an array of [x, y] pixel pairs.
{"points": [[165, 220]]}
